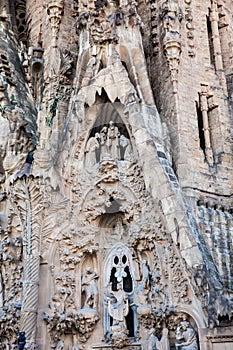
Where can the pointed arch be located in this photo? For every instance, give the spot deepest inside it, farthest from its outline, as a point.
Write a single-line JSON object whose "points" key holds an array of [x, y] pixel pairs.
{"points": [[119, 254]]}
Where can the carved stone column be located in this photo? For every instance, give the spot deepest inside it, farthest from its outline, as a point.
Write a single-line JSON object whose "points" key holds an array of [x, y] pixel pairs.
{"points": [[30, 290], [214, 19], [206, 129], [54, 11], [171, 15], [172, 50], [30, 298]]}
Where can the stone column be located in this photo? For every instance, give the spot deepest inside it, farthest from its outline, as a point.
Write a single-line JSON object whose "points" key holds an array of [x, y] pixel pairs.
{"points": [[214, 19], [30, 292], [30, 298], [204, 110]]}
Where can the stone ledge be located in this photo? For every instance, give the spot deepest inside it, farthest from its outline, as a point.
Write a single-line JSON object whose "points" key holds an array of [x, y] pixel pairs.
{"points": [[135, 346]]}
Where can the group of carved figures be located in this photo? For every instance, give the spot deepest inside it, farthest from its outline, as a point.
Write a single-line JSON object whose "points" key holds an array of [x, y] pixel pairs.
{"points": [[118, 302], [103, 17], [123, 299], [186, 338], [108, 144]]}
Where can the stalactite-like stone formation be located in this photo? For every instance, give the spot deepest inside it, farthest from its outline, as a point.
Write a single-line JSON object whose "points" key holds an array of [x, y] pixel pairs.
{"points": [[216, 224]]}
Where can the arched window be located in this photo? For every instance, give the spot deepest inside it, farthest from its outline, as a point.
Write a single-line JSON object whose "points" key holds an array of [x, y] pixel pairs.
{"points": [[119, 284]]}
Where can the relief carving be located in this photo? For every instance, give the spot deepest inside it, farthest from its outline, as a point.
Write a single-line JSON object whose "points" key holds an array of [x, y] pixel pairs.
{"points": [[186, 337], [102, 18], [90, 289], [108, 145], [54, 12], [119, 299], [118, 309], [80, 212], [154, 343], [171, 16]]}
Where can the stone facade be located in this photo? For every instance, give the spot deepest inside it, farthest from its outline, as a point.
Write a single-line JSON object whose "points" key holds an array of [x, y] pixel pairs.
{"points": [[116, 174]]}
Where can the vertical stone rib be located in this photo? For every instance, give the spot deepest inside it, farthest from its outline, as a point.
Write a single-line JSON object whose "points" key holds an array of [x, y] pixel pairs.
{"points": [[31, 275], [225, 248], [30, 297], [229, 247]]}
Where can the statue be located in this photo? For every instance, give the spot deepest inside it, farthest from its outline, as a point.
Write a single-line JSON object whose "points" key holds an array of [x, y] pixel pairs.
{"points": [[126, 145], [113, 140], [91, 147], [21, 340], [104, 153], [60, 345], [118, 307], [151, 340], [155, 344], [90, 289], [145, 271], [171, 15], [186, 337], [163, 343]]}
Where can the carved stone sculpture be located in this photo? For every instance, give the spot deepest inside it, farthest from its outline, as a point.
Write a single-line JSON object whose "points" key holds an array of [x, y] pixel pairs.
{"points": [[163, 343], [60, 345], [100, 231], [154, 343], [91, 147], [186, 337], [108, 145], [118, 307], [127, 147], [113, 140], [145, 272], [90, 289], [151, 344], [171, 14]]}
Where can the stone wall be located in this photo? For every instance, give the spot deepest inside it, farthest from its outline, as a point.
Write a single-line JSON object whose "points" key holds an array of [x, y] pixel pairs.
{"points": [[115, 174]]}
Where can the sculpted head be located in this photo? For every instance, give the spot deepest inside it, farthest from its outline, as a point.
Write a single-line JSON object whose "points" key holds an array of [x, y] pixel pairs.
{"points": [[184, 325]]}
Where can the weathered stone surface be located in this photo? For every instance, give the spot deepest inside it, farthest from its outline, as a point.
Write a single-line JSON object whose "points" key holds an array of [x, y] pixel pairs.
{"points": [[116, 174]]}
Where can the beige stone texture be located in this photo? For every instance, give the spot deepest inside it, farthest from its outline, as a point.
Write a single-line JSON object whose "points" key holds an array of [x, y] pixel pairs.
{"points": [[116, 174]]}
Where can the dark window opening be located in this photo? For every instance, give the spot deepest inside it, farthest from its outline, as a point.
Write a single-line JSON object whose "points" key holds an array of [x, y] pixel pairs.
{"points": [[200, 128], [113, 279], [210, 39], [127, 281], [130, 322], [114, 207], [124, 259]]}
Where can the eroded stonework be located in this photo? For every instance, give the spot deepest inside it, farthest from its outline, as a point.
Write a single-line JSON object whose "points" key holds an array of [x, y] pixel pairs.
{"points": [[115, 163]]}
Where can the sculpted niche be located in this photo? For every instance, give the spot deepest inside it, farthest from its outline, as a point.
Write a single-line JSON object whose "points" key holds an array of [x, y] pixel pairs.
{"points": [[120, 322], [108, 144]]}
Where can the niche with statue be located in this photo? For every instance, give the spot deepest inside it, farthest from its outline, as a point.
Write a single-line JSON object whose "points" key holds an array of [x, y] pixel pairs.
{"points": [[109, 139], [120, 311]]}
